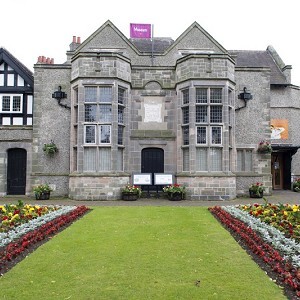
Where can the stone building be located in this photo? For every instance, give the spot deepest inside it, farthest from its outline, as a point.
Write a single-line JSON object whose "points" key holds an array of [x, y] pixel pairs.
{"points": [[189, 108]]}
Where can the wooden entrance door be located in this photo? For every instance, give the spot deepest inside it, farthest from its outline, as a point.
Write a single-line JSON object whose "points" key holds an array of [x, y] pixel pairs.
{"points": [[16, 171], [152, 162], [277, 171]]}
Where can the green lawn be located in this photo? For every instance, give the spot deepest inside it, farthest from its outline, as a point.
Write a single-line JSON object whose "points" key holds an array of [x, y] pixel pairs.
{"points": [[140, 253]]}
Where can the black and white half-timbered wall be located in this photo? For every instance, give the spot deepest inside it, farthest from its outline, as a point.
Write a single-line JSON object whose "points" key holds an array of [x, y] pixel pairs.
{"points": [[16, 119]]}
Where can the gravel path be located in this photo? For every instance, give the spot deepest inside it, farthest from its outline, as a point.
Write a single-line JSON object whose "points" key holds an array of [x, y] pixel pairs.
{"points": [[277, 196]]}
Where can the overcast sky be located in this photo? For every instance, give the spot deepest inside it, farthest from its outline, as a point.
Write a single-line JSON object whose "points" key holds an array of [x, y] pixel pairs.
{"points": [[32, 28]]}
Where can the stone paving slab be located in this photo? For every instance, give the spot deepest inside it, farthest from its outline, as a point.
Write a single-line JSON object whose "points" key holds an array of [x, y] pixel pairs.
{"points": [[276, 197]]}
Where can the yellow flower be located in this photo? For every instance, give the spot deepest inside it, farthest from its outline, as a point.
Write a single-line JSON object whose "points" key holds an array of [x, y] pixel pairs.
{"points": [[285, 213]]}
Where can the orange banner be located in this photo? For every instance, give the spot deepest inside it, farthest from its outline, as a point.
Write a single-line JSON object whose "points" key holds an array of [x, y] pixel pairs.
{"points": [[279, 129]]}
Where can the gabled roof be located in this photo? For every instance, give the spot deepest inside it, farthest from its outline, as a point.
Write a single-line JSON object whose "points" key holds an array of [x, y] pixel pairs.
{"points": [[258, 59], [163, 45], [93, 36], [24, 72]]}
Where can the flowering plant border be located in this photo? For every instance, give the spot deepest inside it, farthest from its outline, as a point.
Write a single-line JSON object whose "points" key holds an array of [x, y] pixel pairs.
{"points": [[20, 239], [284, 266]]}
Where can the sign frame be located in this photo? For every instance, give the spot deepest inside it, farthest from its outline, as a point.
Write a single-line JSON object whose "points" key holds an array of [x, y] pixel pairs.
{"points": [[142, 178], [163, 178]]}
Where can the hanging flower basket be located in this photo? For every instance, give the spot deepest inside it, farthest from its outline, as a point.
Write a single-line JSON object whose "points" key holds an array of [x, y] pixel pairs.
{"points": [[264, 147], [50, 148]]}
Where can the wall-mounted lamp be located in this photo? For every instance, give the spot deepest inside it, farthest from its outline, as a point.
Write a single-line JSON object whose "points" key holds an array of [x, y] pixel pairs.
{"points": [[245, 96], [58, 95]]}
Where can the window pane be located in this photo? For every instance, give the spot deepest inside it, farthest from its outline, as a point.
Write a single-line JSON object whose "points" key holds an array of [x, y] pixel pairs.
{"points": [[248, 161], [16, 103], [186, 159], [89, 160], [185, 115], [104, 159], [90, 134], [120, 160], [120, 135], [90, 94], [216, 135], [185, 135], [90, 112], [239, 162], [201, 135], [185, 96], [216, 159], [201, 114], [105, 113], [105, 134], [120, 114], [216, 114], [121, 95], [216, 95], [6, 103], [201, 159], [201, 95], [106, 94]]}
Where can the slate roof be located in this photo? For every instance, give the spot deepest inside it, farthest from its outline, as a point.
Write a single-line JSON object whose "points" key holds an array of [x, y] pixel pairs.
{"points": [[160, 45], [252, 58], [243, 58]]}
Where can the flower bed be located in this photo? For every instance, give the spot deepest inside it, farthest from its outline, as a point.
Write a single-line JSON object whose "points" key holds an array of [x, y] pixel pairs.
{"points": [[269, 245], [15, 241]]}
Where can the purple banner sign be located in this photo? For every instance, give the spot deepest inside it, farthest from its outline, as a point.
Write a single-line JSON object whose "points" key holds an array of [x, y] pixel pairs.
{"points": [[140, 31]]}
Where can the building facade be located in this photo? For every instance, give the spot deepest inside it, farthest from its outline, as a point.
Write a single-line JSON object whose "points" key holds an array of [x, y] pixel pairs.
{"points": [[188, 107]]}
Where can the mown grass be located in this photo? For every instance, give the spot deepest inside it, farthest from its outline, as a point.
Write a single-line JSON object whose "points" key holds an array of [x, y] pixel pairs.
{"points": [[140, 253]]}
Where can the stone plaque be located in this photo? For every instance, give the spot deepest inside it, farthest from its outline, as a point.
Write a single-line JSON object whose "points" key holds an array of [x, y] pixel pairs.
{"points": [[153, 112]]}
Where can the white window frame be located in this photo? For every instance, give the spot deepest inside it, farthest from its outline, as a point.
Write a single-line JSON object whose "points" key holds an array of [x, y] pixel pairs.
{"points": [[11, 101]]}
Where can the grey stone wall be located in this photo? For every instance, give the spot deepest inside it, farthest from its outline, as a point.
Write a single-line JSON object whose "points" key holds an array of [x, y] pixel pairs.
{"points": [[51, 122], [252, 125]]}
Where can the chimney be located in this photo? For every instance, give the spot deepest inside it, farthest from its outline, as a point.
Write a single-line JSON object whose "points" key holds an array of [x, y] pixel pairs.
{"points": [[44, 60], [75, 43]]}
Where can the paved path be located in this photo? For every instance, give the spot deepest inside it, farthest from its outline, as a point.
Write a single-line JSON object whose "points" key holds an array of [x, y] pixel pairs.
{"points": [[277, 196]]}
